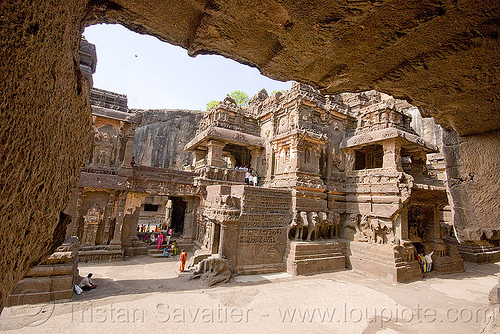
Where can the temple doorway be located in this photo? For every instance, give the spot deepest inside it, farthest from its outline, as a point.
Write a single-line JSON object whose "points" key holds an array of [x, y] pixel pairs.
{"points": [[420, 221], [178, 213]]}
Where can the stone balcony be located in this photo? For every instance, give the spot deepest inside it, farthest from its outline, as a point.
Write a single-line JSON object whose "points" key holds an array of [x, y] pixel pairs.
{"points": [[220, 174]]}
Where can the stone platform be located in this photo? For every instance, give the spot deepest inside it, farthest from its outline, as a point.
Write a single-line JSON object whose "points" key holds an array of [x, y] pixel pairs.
{"points": [[51, 280], [308, 258], [99, 253], [452, 262], [380, 261]]}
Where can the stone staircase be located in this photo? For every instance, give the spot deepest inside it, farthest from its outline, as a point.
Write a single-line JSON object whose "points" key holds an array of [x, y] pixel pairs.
{"points": [[478, 252], [308, 258], [187, 246], [153, 252]]}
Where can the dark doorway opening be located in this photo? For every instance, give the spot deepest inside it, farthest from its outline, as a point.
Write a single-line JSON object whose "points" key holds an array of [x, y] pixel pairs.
{"points": [[178, 212], [369, 157], [241, 155]]}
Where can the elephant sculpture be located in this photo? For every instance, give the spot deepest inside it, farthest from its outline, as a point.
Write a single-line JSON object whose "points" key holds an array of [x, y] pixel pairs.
{"points": [[313, 225]]}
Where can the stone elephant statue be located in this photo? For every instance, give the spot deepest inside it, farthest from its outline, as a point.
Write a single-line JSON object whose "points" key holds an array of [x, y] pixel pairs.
{"points": [[330, 224], [297, 227], [313, 225]]}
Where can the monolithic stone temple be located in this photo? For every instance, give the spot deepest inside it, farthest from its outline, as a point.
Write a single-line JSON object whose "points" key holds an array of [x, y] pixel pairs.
{"points": [[354, 180]]}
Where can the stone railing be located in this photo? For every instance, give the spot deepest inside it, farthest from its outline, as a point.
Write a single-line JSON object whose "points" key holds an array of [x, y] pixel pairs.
{"points": [[221, 174], [100, 170]]}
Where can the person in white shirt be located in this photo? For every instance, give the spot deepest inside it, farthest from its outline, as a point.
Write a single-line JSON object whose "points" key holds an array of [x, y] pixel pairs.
{"points": [[86, 284], [428, 259], [255, 178]]}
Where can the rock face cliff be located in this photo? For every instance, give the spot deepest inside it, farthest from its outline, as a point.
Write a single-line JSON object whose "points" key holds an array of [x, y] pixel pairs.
{"points": [[161, 135]]}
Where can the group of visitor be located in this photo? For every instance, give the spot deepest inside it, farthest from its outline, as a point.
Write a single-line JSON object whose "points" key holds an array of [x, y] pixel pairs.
{"points": [[147, 228], [425, 262], [160, 240], [251, 176], [143, 228]]}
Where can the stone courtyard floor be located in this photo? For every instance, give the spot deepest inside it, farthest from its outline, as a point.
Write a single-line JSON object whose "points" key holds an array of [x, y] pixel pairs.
{"points": [[146, 295]]}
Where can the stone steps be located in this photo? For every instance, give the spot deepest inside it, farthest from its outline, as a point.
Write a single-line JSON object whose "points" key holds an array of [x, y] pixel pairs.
{"points": [[260, 269], [308, 258], [475, 252]]}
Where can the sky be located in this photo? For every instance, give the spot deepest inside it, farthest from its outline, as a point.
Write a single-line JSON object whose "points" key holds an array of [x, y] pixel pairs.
{"points": [[158, 75]]}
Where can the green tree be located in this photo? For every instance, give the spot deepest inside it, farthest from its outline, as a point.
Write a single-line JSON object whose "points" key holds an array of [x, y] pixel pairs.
{"points": [[275, 91], [240, 97], [212, 104]]}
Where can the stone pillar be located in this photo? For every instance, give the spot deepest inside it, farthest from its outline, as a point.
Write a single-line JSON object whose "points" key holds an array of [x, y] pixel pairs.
{"points": [[223, 231], [350, 157], [189, 218], [435, 228], [401, 225], [107, 217], [127, 157], [198, 155], [296, 157], [168, 213], [73, 228], [392, 155], [214, 155], [117, 237], [130, 221], [256, 161]]}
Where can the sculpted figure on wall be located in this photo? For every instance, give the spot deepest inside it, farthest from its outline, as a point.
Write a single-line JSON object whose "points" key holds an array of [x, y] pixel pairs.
{"points": [[375, 230], [229, 101], [91, 220]]}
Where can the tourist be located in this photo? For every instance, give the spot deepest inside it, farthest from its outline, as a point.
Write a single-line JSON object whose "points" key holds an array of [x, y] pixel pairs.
{"points": [[159, 243], [175, 249], [182, 259], [169, 235], [166, 253], [132, 163], [86, 284], [428, 259], [247, 177], [255, 178], [153, 239]]}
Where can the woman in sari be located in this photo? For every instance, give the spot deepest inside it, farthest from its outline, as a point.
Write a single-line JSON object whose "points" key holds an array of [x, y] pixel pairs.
{"points": [[159, 242]]}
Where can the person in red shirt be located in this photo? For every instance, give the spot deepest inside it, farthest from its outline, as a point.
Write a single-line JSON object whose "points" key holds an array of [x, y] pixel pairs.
{"points": [[183, 259]]}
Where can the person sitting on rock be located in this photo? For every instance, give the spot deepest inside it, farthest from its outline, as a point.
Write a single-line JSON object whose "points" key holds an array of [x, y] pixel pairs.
{"points": [[86, 284], [152, 240]]}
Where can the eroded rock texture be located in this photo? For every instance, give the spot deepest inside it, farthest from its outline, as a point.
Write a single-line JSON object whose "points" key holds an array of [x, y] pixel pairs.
{"points": [[45, 129], [161, 135], [440, 55]]}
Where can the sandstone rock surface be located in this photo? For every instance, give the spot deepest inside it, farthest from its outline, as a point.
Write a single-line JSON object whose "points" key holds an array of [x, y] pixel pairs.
{"points": [[161, 136]]}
